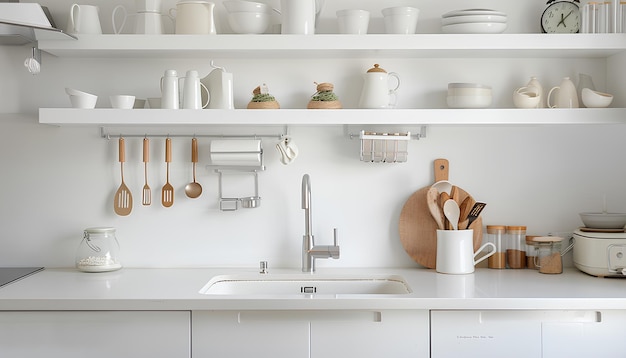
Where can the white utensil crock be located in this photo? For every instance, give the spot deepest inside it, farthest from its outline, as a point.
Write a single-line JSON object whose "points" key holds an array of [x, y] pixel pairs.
{"points": [[455, 251]]}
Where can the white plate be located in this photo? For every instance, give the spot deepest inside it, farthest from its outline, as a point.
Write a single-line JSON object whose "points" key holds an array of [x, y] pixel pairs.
{"points": [[473, 12], [472, 18], [475, 28]]}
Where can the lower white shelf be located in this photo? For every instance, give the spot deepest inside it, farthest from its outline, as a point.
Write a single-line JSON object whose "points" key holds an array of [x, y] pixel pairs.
{"points": [[191, 117]]}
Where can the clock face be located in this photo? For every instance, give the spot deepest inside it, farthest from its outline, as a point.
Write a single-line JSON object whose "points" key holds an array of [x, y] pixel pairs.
{"points": [[561, 17]]}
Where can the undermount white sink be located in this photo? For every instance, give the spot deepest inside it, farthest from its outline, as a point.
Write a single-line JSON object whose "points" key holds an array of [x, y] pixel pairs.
{"points": [[306, 284]]}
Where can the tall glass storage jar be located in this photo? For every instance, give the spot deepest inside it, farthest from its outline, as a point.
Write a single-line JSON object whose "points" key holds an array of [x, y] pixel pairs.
{"points": [[99, 251], [516, 248], [496, 235]]}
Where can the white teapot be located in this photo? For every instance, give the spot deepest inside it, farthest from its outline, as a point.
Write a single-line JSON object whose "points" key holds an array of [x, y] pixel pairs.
{"points": [[377, 92]]}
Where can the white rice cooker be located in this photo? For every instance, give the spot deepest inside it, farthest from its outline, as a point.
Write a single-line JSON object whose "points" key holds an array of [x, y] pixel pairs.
{"points": [[600, 254]]}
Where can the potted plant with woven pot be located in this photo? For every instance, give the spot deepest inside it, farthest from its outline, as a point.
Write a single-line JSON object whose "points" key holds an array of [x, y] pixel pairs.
{"points": [[324, 98]]}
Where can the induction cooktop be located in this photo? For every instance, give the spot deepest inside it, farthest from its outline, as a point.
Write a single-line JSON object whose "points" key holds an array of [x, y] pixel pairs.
{"points": [[12, 274]]}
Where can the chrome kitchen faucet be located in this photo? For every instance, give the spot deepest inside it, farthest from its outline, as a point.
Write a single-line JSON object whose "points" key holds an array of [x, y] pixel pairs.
{"points": [[310, 252]]}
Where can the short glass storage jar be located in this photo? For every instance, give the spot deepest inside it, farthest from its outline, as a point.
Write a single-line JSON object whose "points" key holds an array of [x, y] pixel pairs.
{"points": [[516, 248], [549, 254], [99, 251], [496, 235]]}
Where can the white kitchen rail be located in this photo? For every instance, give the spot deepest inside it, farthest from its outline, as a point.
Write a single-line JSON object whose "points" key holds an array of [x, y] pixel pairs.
{"points": [[181, 118]]}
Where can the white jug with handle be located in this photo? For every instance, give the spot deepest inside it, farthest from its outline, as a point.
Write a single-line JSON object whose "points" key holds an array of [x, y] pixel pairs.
{"points": [[298, 16], [84, 19], [566, 96], [219, 84], [194, 17], [146, 22], [192, 98], [169, 90], [377, 92]]}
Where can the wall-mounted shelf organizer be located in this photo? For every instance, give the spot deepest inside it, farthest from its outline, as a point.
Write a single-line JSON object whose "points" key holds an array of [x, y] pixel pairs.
{"points": [[384, 147]]}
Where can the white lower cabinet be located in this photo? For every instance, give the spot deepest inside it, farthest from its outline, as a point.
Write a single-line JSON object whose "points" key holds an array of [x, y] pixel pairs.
{"points": [[314, 334], [95, 334], [523, 334]]}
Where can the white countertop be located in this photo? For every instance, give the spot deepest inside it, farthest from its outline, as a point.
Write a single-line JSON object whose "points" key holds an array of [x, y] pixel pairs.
{"points": [[178, 289]]}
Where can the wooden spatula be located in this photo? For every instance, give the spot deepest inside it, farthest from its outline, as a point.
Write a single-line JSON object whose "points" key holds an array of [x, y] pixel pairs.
{"points": [[167, 193], [123, 203], [146, 196]]}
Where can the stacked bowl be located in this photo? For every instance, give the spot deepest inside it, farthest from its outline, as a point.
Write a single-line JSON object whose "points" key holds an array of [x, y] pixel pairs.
{"points": [[247, 17], [473, 21], [468, 95]]}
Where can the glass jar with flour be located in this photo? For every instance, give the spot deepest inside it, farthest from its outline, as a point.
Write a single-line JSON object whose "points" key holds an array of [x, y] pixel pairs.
{"points": [[99, 250]]}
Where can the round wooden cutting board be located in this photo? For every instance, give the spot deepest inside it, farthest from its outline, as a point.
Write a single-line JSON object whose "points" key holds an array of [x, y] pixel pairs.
{"points": [[418, 230]]}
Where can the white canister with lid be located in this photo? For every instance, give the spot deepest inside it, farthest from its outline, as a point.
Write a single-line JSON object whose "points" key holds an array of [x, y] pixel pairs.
{"points": [[99, 251]]}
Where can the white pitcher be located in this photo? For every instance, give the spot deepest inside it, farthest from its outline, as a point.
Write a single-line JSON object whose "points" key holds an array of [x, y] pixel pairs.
{"points": [[169, 90], [298, 16], [192, 97], [566, 95], [194, 17], [377, 92], [84, 19], [146, 22], [219, 84]]}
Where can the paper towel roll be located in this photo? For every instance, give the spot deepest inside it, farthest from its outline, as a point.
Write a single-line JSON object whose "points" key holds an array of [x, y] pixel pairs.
{"points": [[236, 152]]}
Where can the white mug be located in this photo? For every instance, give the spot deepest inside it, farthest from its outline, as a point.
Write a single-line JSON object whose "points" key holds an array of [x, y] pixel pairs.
{"points": [[353, 21], [566, 95], [84, 19], [298, 17], [455, 251], [400, 19], [194, 17]]}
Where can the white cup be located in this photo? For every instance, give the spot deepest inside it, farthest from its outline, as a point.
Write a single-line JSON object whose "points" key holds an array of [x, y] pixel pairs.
{"points": [[122, 101], [400, 19], [84, 19], [154, 102], [353, 21], [455, 251]]}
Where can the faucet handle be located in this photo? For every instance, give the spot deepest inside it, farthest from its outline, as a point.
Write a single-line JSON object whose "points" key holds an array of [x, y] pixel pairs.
{"points": [[335, 237]]}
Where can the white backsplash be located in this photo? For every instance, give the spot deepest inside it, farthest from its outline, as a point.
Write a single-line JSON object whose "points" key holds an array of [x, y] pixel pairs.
{"points": [[58, 181]]}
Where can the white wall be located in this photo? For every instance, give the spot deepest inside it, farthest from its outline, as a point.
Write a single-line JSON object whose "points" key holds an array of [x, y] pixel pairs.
{"points": [[58, 181]]}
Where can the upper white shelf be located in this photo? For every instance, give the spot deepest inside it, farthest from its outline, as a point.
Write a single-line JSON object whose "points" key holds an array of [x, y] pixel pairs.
{"points": [[404, 117], [339, 46]]}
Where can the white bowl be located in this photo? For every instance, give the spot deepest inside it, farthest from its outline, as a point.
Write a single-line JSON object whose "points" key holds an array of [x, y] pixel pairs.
{"points": [[526, 99], [246, 6], [122, 101], [400, 10], [603, 220], [249, 22], [474, 28], [477, 101], [75, 92], [472, 18], [468, 89], [84, 102], [595, 99], [469, 12]]}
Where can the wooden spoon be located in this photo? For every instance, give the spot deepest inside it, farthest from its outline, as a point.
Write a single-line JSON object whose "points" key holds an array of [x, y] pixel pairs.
{"points": [[432, 197], [452, 212], [123, 203], [167, 193]]}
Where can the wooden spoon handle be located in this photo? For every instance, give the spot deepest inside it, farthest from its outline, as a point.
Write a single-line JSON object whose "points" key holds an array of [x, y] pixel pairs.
{"points": [[146, 150], [168, 150], [441, 169], [194, 150], [122, 150]]}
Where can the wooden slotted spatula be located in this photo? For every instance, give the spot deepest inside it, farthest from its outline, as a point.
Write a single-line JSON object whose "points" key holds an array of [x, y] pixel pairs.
{"points": [[167, 193], [123, 203], [146, 195]]}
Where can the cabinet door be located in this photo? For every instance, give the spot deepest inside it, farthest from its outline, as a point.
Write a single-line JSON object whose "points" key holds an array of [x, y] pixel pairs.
{"points": [[365, 334], [95, 334], [259, 334]]}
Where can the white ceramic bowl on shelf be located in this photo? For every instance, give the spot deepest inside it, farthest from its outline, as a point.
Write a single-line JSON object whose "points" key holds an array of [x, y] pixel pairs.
{"points": [[470, 12], [122, 101], [473, 18], [474, 28], [244, 22], [595, 99], [469, 95], [246, 6], [80, 99]]}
